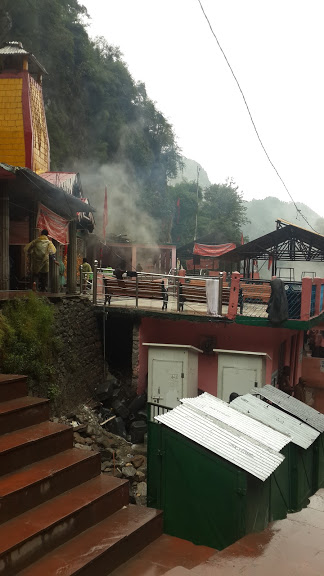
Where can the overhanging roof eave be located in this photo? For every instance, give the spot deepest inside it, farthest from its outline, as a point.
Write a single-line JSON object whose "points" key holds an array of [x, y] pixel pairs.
{"points": [[53, 197]]}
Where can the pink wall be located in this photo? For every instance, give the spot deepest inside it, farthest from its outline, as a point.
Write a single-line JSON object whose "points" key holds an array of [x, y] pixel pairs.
{"points": [[227, 336], [311, 372]]}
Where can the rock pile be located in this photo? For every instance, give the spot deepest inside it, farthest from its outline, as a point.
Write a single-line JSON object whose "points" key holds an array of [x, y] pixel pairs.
{"points": [[119, 457], [121, 411]]}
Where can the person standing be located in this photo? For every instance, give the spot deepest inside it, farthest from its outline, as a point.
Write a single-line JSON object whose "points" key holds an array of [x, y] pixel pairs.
{"points": [[61, 274], [86, 279], [40, 251]]}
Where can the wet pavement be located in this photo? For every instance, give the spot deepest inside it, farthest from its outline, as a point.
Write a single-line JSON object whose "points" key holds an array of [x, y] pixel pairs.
{"points": [[290, 547], [163, 554]]}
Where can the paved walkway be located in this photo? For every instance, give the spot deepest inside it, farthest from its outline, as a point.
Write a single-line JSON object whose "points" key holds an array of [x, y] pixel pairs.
{"points": [[290, 547]]}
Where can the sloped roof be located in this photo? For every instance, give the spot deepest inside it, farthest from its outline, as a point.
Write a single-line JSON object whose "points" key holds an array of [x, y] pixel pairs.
{"points": [[298, 432], [16, 48], [287, 242], [292, 406], [223, 440], [55, 198], [224, 412]]}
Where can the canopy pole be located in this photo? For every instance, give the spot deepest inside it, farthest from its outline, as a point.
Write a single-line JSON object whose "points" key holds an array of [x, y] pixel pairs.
{"points": [[72, 259]]}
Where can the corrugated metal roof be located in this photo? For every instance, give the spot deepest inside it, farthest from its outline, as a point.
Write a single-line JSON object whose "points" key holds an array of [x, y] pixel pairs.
{"points": [[222, 411], [55, 198], [223, 440], [13, 48], [298, 432], [292, 405], [16, 48]]}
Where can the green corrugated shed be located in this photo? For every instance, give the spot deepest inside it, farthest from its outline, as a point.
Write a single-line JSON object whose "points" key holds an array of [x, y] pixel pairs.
{"points": [[205, 499], [318, 471], [293, 482]]}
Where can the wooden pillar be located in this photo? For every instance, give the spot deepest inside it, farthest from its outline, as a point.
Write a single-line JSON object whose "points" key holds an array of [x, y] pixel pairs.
{"points": [[54, 271], [274, 266], [173, 257], [4, 237], [72, 259], [234, 295], [33, 221], [134, 257], [306, 298]]}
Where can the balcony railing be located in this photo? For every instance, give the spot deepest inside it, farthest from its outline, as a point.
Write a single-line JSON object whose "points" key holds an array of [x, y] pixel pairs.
{"points": [[166, 292], [187, 294]]}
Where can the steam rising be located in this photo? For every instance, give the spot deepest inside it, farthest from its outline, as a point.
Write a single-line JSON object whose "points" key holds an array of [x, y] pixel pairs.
{"points": [[125, 215]]}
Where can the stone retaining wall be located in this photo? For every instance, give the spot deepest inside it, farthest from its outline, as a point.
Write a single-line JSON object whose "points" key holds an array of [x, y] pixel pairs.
{"points": [[79, 362]]}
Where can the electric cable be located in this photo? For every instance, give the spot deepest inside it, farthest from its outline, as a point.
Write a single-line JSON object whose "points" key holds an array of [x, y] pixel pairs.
{"points": [[298, 210]]}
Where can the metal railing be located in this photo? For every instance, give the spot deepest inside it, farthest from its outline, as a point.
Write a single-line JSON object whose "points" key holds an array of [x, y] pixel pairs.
{"points": [[156, 410], [256, 295], [175, 293], [86, 282]]}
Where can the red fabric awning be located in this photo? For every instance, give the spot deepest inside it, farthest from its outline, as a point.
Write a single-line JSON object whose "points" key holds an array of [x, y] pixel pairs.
{"points": [[212, 250], [58, 227]]}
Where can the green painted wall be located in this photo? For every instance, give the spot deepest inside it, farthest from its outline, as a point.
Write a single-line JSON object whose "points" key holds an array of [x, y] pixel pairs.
{"points": [[204, 498]]}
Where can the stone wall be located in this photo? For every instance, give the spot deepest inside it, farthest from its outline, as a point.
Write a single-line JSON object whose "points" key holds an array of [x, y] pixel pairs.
{"points": [[135, 356], [79, 360]]}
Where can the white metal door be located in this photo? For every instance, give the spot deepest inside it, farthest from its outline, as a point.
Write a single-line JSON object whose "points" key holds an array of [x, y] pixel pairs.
{"points": [[239, 380], [167, 382]]}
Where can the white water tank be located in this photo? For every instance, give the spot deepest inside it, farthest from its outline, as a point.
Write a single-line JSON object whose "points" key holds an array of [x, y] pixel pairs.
{"points": [[239, 371], [172, 373]]}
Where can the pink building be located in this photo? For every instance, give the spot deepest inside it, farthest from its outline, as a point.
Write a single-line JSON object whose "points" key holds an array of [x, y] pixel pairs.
{"points": [[238, 346]]}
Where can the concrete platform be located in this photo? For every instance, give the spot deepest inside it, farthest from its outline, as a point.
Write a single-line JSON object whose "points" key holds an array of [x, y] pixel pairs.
{"points": [[162, 555], [290, 547]]}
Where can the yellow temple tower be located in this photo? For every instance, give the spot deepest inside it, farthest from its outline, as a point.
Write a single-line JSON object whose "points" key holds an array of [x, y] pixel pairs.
{"points": [[23, 130]]}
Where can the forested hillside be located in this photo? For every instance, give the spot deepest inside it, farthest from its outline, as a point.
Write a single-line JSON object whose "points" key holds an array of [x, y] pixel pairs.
{"points": [[103, 124]]}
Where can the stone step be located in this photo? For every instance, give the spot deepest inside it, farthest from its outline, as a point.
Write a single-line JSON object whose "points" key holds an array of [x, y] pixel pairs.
{"points": [[12, 386], [31, 486], [22, 412], [23, 447], [104, 547], [28, 537]]}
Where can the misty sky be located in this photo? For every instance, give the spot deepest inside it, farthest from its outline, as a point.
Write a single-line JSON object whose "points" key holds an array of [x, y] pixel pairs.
{"points": [[276, 51]]}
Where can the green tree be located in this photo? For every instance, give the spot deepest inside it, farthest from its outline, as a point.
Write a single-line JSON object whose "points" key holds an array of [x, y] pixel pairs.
{"points": [[95, 111], [184, 214], [222, 213]]}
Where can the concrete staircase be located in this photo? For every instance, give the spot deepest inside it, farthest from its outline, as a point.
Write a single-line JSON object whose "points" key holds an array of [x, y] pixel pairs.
{"points": [[58, 514]]}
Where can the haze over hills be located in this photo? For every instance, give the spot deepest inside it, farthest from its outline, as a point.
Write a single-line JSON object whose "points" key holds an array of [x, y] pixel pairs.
{"points": [[262, 214], [189, 173]]}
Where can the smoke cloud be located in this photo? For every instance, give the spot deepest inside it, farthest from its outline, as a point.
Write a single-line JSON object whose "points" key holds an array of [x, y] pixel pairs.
{"points": [[125, 214]]}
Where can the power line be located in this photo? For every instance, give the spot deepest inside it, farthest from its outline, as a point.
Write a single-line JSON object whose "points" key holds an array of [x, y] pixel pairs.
{"points": [[298, 210]]}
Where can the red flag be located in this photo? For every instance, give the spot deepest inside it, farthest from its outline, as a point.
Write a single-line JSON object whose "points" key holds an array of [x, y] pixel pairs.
{"points": [[105, 215], [242, 239], [270, 262], [178, 207]]}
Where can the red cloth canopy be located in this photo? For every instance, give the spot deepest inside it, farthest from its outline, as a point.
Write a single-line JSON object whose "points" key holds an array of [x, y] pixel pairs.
{"points": [[212, 250], [58, 227]]}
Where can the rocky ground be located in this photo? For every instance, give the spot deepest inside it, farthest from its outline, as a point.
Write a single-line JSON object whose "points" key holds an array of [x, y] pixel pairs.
{"points": [[119, 457]]}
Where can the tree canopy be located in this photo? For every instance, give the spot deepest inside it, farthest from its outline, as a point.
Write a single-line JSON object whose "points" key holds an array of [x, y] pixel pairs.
{"points": [[220, 213], [99, 116]]}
